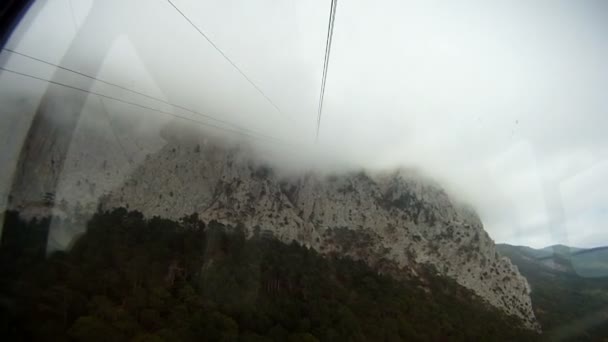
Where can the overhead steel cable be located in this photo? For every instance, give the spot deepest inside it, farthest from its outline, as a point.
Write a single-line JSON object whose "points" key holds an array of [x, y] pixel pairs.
{"points": [[330, 32], [207, 116], [202, 123], [226, 57]]}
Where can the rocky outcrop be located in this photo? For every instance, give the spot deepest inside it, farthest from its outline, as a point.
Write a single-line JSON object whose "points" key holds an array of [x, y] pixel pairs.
{"points": [[397, 218]]}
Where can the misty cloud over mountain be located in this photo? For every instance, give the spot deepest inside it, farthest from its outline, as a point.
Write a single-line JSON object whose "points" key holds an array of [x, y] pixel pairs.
{"points": [[504, 104]]}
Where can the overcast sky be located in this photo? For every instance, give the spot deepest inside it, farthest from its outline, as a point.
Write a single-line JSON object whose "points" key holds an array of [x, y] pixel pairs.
{"points": [[504, 102]]}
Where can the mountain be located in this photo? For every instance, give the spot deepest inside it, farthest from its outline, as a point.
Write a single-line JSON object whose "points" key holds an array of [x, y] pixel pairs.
{"points": [[396, 222], [590, 263], [569, 294], [585, 262], [558, 249], [561, 249], [393, 222]]}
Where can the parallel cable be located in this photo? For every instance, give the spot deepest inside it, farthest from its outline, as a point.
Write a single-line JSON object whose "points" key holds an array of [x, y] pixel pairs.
{"points": [[330, 32], [227, 123], [225, 56], [234, 131]]}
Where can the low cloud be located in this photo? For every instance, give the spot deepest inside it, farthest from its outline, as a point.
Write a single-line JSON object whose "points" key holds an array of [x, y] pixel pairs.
{"points": [[503, 103]]}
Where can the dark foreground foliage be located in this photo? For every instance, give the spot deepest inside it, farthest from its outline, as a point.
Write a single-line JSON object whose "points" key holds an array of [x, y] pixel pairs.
{"points": [[132, 279]]}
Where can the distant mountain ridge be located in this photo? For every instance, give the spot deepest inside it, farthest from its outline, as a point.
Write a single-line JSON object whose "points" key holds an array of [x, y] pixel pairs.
{"points": [[569, 289], [562, 249], [586, 262], [602, 250], [548, 251]]}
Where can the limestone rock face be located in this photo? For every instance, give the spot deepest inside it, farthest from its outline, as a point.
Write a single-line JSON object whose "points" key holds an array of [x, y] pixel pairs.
{"points": [[397, 218]]}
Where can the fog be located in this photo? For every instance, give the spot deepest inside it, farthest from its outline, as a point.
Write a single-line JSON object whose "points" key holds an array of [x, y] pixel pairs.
{"points": [[503, 102]]}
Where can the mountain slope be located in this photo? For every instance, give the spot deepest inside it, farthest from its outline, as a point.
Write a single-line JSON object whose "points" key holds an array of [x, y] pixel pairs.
{"points": [[584, 262], [568, 304], [394, 222], [591, 262], [134, 279]]}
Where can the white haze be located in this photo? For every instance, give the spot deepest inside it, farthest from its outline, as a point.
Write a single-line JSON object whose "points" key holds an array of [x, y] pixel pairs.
{"points": [[504, 102]]}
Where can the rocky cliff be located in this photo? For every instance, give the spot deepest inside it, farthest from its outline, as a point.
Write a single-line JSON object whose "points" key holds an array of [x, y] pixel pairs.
{"points": [[395, 221]]}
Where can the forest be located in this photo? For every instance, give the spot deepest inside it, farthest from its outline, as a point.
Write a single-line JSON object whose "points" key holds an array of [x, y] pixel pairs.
{"points": [[129, 278]]}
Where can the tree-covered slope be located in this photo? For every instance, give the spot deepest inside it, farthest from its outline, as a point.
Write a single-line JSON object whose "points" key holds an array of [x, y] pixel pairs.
{"points": [[129, 278]]}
